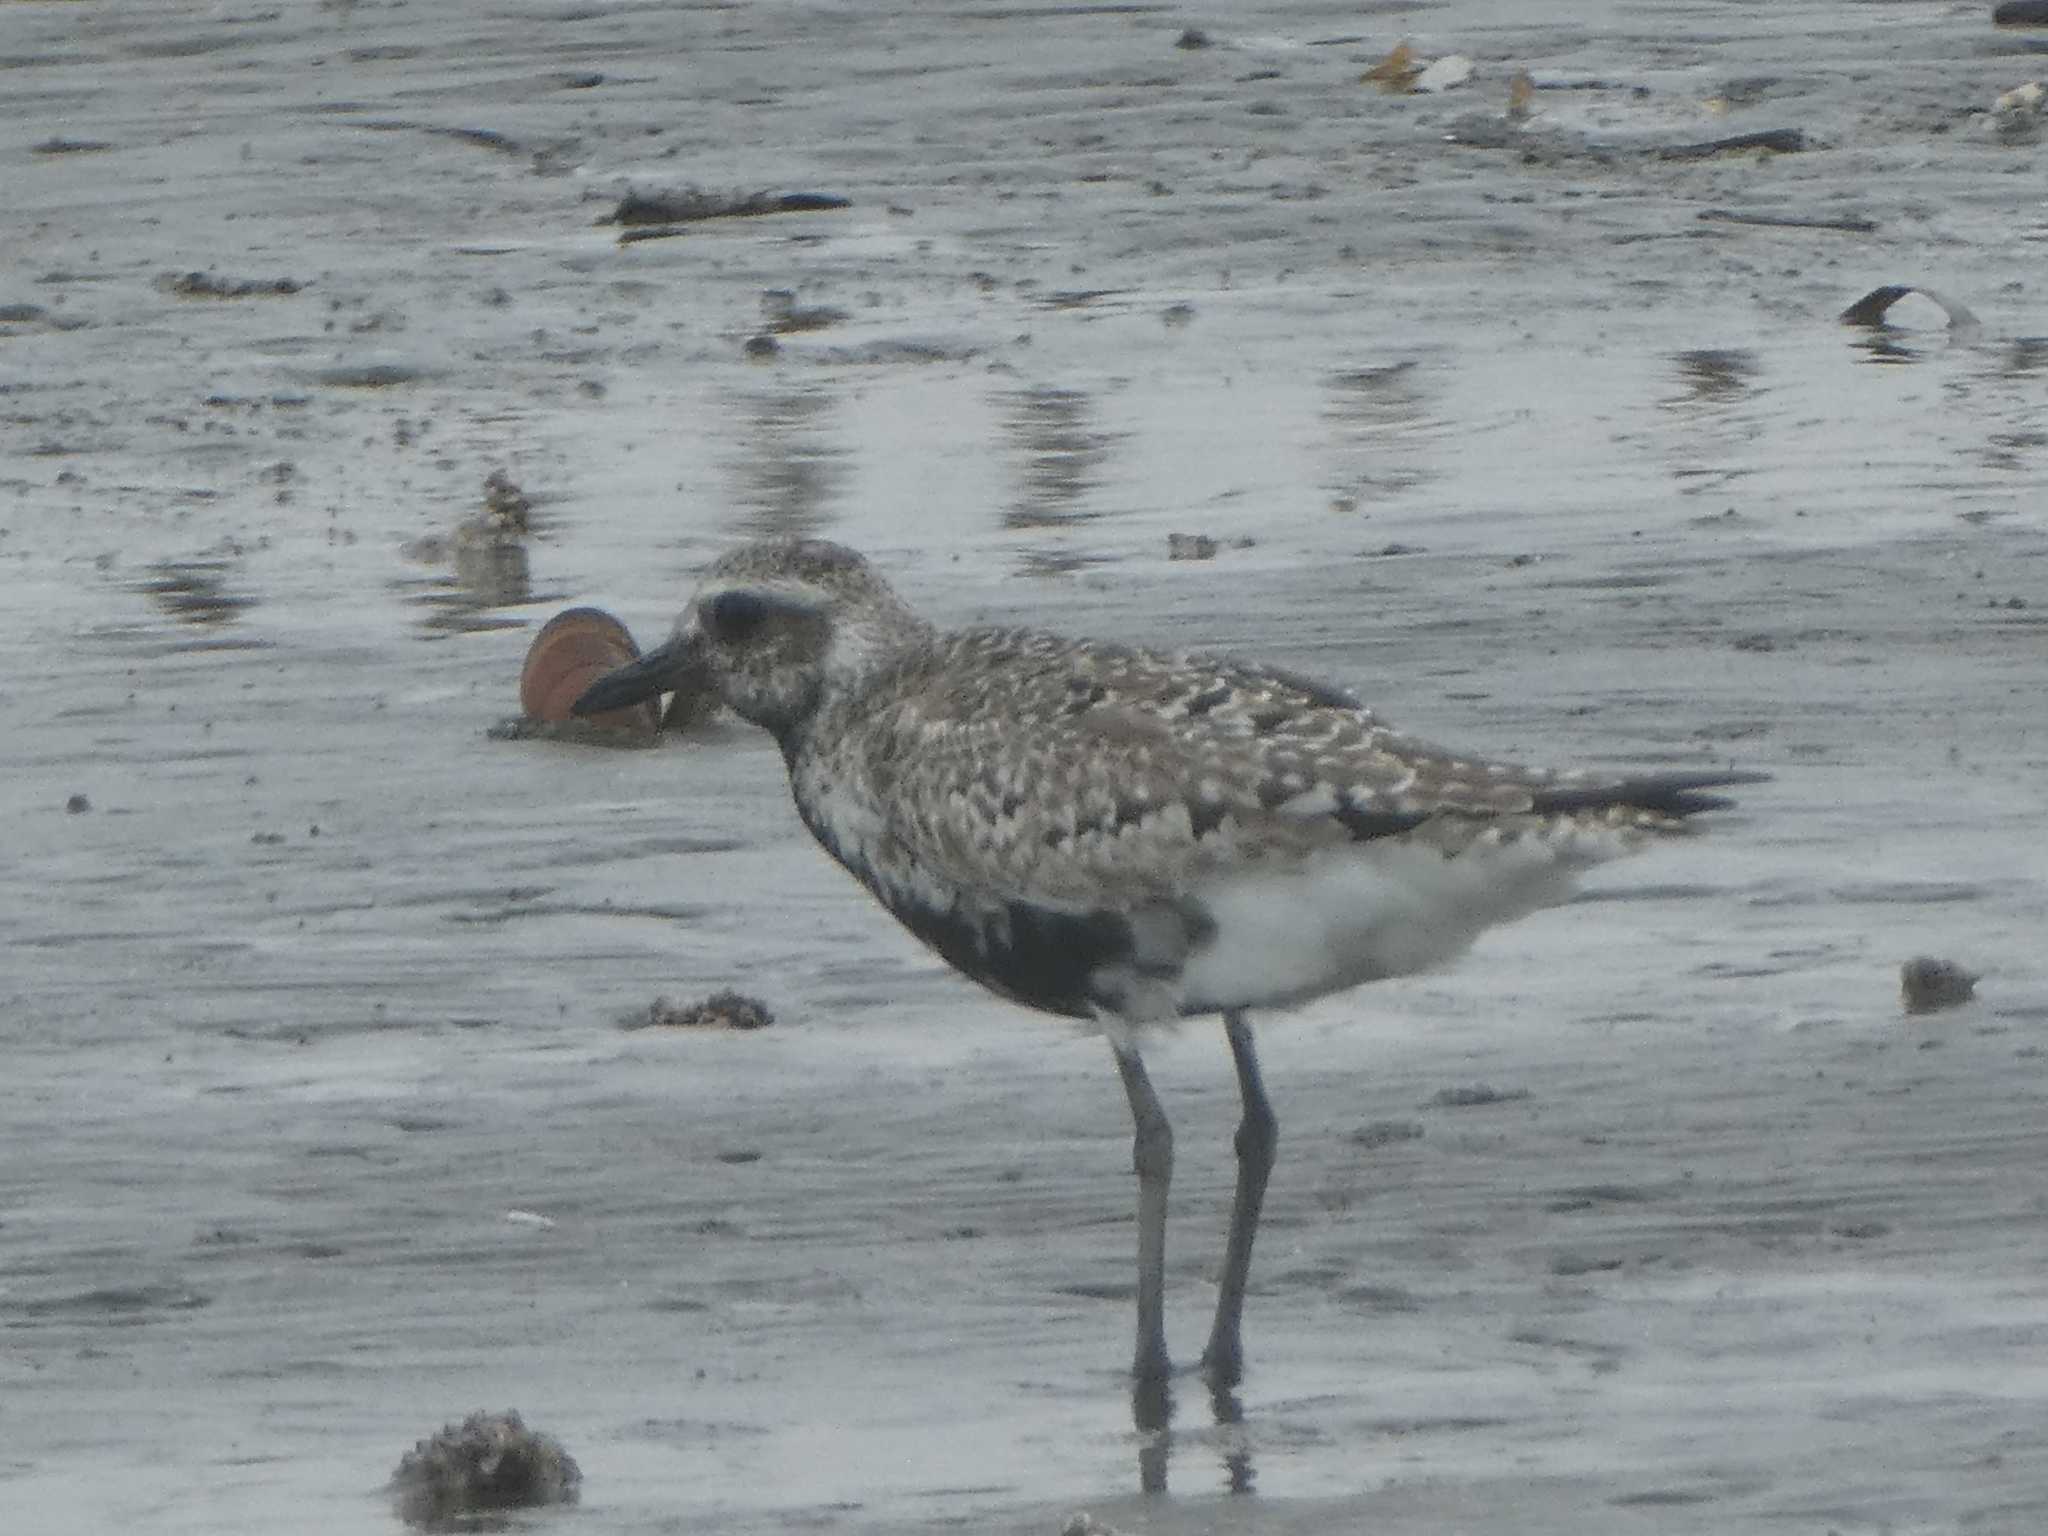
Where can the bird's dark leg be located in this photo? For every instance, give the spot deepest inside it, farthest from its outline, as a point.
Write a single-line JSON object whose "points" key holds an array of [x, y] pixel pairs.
{"points": [[1152, 1158], [1258, 1134]]}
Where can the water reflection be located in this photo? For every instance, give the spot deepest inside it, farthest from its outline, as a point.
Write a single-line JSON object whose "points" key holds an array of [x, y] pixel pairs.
{"points": [[1046, 561], [195, 592], [1228, 1411], [1379, 429], [1885, 346], [1064, 452], [788, 470], [2027, 354], [1152, 1409], [1152, 1418], [487, 569], [2012, 450], [1713, 409], [493, 573], [199, 597], [1714, 377]]}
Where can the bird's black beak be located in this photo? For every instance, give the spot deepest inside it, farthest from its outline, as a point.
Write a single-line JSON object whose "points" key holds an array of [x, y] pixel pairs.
{"points": [[676, 666]]}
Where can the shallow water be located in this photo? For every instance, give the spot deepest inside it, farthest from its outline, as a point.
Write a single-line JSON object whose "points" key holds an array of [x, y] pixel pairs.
{"points": [[318, 1129]]}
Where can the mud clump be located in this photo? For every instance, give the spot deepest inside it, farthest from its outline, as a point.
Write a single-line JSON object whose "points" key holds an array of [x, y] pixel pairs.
{"points": [[209, 285], [693, 205], [1474, 1096], [1081, 1523], [781, 313], [1384, 1133], [507, 508], [721, 1010], [1927, 985], [2016, 116], [488, 1463]]}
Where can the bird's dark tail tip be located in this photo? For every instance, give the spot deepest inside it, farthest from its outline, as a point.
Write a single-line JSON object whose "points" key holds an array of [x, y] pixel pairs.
{"points": [[1679, 794]]}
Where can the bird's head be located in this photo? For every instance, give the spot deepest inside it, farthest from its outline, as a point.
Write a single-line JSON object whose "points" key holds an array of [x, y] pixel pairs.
{"points": [[772, 626]]}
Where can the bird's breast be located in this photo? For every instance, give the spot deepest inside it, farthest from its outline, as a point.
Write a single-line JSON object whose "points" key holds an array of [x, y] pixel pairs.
{"points": [[1044, 957]]}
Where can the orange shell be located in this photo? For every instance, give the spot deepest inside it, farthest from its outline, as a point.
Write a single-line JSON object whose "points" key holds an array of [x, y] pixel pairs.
{"points": [[573, 650]]}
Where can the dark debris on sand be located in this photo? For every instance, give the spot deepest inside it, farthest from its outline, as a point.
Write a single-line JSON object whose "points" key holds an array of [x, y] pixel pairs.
{"points": [[721, 1010], [489, 1462], [692, 205], [507, 508], [209, 285], [1475, 1095], [1927, 984], [580, 733]]}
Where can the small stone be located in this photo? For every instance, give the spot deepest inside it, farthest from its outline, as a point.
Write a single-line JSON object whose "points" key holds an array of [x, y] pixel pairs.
{"points": [[1192, 37], [77, 805]]}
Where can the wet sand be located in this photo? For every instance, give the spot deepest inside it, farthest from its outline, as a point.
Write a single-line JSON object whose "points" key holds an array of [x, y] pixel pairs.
{"points": [[317, 1128]]}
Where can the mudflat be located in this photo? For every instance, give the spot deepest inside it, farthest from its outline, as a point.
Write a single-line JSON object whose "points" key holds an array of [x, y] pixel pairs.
{"points": [[318, 1125]]}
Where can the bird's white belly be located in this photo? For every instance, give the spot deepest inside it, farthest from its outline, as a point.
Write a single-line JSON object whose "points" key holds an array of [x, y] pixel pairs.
{"points": [[1363, 913]]}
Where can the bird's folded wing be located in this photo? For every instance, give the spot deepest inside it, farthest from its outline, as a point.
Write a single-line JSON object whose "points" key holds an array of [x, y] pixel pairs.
{"points": [[1085, 776]]}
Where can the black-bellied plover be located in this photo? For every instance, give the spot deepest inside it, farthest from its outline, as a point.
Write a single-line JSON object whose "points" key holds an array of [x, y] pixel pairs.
{"points": [[1132, 836]]}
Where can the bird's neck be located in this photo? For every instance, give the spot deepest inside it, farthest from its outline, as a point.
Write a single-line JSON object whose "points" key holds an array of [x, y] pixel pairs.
{"points": [[865, 645]]}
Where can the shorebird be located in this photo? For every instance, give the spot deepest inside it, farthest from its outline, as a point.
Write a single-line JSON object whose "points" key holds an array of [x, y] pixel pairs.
{"points": [[1132, 837]]}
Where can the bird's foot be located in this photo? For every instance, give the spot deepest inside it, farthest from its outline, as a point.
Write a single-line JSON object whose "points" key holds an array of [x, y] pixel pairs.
{"points": [[1223, 1363]]}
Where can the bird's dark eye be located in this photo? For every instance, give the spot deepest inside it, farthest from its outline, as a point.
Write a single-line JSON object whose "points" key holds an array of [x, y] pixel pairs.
{"points": [[734, 617]]}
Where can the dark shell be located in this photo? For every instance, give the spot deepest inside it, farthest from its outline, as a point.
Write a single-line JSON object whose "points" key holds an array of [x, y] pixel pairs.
{"points": [[573, 650]]}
